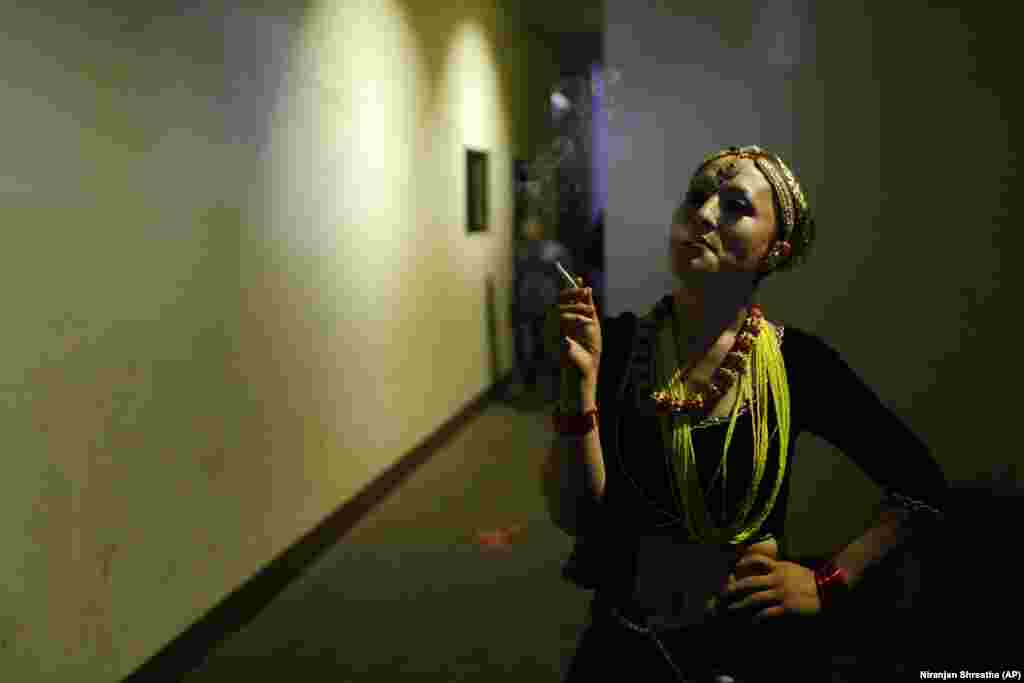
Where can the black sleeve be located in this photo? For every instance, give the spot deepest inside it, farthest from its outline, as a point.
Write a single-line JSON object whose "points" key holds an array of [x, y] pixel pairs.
{"points": [[585, 565], [616, 340], [840, 408]]}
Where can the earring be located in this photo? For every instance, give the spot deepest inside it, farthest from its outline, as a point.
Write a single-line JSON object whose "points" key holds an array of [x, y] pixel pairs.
{"points": [[772, 259], [778, 253]]}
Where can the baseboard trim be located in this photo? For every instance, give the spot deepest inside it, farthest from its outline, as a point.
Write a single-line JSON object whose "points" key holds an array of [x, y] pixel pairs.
{"points": [[187, 651]]}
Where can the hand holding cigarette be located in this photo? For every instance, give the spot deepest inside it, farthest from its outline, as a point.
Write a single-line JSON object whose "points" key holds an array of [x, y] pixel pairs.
{"points": [[578, 328]]}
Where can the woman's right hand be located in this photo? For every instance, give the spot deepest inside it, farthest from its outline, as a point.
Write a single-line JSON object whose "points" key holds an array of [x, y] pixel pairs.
{"points": [[577, 319]]}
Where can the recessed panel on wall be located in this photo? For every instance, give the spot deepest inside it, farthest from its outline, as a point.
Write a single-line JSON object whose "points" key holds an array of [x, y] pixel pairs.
{"points": [[476, 190]]}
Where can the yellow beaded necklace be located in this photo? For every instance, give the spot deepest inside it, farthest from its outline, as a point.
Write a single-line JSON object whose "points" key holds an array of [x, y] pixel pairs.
{"points": [[766, 368]]}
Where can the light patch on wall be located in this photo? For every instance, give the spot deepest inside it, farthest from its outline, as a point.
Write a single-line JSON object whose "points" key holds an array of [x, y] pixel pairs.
{"points": [[344, 150], [471, 93], [475, 80], [363, 220]]}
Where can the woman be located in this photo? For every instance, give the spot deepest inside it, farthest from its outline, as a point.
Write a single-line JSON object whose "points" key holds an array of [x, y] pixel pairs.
{"points": [[676, 445]]}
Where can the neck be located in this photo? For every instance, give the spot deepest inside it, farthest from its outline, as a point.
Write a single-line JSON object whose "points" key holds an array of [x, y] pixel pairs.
{"points": [[708, 312]]}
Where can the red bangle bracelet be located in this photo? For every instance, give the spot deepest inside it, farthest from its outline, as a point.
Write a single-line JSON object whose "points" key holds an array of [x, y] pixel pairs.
{"points": [[833, 584], [574, 425]]}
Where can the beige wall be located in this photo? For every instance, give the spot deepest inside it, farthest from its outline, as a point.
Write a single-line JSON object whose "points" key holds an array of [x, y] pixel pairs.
{"points": [[237, 287]]}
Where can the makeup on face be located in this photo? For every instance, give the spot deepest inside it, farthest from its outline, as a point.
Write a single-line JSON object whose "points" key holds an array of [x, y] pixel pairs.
{"points": [[702, 187], [732, 228], [734, 198]]}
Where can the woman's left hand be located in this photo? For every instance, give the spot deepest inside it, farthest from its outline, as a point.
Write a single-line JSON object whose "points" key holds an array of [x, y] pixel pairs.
{"points": [[770, 588]]}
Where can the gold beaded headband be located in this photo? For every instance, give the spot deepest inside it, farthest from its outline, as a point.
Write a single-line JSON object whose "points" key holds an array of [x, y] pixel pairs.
{"points": [[791, 198]]}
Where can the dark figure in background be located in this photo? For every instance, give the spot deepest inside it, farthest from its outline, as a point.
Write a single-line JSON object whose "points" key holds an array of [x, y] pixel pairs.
{"points": [[537, 286]]}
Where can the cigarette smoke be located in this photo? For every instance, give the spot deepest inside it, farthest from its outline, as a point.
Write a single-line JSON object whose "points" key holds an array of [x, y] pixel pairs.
{"points": [[573, 105]]}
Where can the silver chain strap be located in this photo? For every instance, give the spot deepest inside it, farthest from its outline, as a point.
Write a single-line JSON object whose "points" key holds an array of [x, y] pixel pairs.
{"points": [[654, 637], [647, 631], [912, 505]]}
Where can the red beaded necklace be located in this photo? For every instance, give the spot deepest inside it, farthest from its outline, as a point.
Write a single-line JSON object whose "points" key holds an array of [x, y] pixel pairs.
{"points": [[736, 362]]}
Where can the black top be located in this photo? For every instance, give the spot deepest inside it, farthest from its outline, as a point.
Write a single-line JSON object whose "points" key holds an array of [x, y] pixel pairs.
{"points": [[826, 399]]}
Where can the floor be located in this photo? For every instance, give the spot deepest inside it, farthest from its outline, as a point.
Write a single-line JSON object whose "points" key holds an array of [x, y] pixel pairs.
{"points": [[413, 591]]}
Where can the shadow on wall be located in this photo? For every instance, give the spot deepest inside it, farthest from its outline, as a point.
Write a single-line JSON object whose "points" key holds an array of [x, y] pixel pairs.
{"points": [[951, 589], [492, 328], [975, 562]]}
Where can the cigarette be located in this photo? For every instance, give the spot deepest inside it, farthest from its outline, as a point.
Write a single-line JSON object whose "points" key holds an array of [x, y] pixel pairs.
{"points": [[569, 278]]}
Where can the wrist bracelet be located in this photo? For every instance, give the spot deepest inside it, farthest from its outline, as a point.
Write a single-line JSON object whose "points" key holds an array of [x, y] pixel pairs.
{"points": [[574, 425], [833, 584]]}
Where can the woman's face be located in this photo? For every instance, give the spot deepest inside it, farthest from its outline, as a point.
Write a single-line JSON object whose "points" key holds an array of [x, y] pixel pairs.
{"points": [[726, 223]]}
